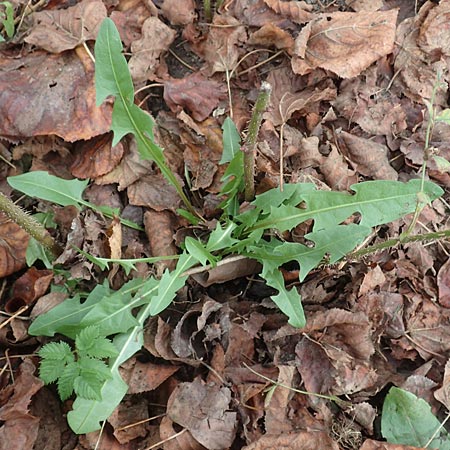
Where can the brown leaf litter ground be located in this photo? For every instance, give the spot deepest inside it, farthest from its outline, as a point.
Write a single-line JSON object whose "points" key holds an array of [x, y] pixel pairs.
{"points": [[349, 80]]}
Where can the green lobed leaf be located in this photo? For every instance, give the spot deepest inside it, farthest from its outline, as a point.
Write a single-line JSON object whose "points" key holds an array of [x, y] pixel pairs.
{"points": [[233, 184], [221, 238], [377, 202], [333, 242], [88, 387], [103, 348], [170, 283], [289, 301], [66, 317], [197, 249], [408, 420], [86, 338], [51, 369], [231, 141], [40, 184]]}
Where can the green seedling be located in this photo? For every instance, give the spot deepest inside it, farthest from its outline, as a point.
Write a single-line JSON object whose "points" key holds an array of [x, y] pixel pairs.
{"points": [[7, 20]]}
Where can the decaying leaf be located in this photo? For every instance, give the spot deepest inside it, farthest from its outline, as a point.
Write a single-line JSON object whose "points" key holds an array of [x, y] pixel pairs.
{"points": [[63, 29], [345, 43], [13, 246], [179, 13], [156, 39], [296, 11], [212, 425], [51, 95]]}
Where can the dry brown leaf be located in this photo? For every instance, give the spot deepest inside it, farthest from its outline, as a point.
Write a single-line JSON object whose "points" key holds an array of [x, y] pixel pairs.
{"points": [[443, 393], [130, 169], [179, 13], [443, 282], [434, 34], [51, 95], [20, 427], [223, 46], [13, 246], [368, 157], [336, 171], [313, 440], [345, 43], [289, 96], [297, 11], [28, 288], [96, 157], [369, 444], [195, 93], [63, 29], [128, 419], [182, 441], [276, 419], [270, 35], [360, 102], [336, 356], [156, 39], [160, 231], [144, 377], [204, 410], [417, 69], [154, 192], [364, 5]]}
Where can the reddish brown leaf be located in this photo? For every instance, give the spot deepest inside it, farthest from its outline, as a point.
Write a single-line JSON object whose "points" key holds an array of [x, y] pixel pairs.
{"points": [[143, 377], [182, 441], [13, 246], [96, 157], [64, 29], [196, 93], [212, 425], [345, 43], [443, 282], [50, 95], [369, 444], [28, 288]]}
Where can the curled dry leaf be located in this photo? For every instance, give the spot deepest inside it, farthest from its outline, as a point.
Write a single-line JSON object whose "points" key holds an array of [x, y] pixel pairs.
{"points": [[269, 35], [434, 32], [13, 246], [194, 92], [369, 444], [28, 288], [51, 95], [345, 43], [64, 29], [156, 39], [368, 157], [203, 409], [443, 393], [336, 171], [364, 5], [182, 441], [290, 96], [297, 11]]}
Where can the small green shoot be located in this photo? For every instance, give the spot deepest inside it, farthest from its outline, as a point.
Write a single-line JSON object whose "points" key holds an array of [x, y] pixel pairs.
{"points": [[7, 20], [83, 371]]}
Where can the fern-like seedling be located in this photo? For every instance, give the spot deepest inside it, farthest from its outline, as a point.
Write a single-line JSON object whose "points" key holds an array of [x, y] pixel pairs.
{"points": [[82, 371]]}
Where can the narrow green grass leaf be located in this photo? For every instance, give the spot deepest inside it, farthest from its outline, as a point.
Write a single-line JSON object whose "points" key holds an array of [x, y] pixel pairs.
{"points": [[408, 420]]}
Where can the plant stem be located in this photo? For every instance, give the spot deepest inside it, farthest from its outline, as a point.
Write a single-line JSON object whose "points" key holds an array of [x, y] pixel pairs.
{"points": [[402, 239], [249, 148], [29, 224], [207, 10]]}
